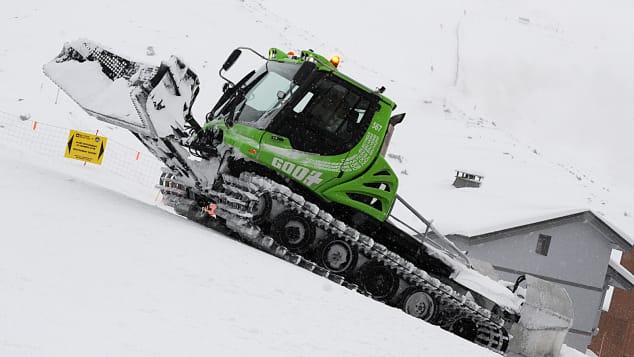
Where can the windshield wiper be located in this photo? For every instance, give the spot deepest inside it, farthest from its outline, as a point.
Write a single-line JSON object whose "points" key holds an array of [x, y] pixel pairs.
{"points": [[231, 92]]}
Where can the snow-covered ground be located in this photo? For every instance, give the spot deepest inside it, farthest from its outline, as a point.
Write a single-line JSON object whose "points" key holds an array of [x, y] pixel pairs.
{"points": [[85, 270], [533, 95]]}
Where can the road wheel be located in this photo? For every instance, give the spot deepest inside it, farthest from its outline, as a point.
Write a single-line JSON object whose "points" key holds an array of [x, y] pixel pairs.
{"points": [[420, 305], [338, 256], [262, 208], [293, 231], [378, 280]]}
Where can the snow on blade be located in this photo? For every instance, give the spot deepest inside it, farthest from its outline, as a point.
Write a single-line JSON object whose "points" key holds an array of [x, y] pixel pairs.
{"points": [[87, 84], [495, 291]]}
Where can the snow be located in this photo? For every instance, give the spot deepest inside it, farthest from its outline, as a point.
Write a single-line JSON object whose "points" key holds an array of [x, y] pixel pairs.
{"points": [[495, 291], [570, 352], [534, 94], [85, 270], [93, 89], [616, 229], [477, 281], [171, 116], [519, 222], [542, 216]]}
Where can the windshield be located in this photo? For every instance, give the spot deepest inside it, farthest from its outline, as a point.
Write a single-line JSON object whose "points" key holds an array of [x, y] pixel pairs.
{"points": [[267, 94]]}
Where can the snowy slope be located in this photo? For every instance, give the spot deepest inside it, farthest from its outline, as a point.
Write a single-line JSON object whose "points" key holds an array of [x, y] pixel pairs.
{"points": [[87, 271]]}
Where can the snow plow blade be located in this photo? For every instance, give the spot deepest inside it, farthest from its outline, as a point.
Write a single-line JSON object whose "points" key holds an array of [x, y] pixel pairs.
{"points": [[546, 316], [154, 103], [147, 100]]}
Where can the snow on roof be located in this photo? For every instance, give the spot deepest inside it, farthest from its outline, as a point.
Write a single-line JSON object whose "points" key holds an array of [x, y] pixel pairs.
{"points": [[616, 230], [516, 223], [621, 270]]}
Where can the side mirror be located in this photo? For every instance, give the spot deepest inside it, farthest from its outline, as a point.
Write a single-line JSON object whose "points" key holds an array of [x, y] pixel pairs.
{"points": [[231, 59], [303, 72]]}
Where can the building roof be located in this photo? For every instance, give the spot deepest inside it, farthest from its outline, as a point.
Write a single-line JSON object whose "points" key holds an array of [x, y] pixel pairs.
{"points": [[610, 232], [621, 277]]}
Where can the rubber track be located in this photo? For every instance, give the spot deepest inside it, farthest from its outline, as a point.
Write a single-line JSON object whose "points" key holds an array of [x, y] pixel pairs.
{"points": [[249, 187]]}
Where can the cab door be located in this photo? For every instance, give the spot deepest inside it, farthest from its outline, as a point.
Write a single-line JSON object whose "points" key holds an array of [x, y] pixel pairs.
{"points": [[311, 170]]}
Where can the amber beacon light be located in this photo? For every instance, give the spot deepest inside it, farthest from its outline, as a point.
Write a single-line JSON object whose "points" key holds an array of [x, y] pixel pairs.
{"points": [[335, 60]]}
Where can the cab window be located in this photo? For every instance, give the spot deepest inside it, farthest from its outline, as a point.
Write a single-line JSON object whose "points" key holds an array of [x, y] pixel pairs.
{"points": [[330, 118]]}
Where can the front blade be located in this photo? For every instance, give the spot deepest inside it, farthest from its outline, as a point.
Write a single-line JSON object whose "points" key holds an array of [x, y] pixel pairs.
{"points": [[147, 100], [546, 317]]}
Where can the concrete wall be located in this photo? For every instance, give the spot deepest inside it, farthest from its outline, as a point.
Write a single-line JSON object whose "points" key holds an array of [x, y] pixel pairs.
{"points": [[577, 260]]}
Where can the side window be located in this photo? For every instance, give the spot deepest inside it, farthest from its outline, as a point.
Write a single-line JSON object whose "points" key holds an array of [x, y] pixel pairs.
{"points": [[334, 117], [299, 107], [543, 244]]}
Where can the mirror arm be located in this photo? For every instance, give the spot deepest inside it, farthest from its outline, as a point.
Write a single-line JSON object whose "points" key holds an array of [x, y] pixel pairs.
{"points": [[254, 52], [225, 78], [232, 58]]}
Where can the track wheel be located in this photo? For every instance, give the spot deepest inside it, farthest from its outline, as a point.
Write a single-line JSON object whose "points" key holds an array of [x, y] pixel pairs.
{"points": [[338, 256], [294, 231], [378, 280], [262, 208], [420, 305]]}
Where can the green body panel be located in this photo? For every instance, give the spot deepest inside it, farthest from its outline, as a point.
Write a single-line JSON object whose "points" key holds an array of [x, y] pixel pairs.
{"points": [[360, 178], [379, 174], [244, 138], [276, 153]]}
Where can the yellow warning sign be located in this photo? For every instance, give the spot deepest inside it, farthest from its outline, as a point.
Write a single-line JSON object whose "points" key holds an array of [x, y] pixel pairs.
{"points": [[85, 147]]}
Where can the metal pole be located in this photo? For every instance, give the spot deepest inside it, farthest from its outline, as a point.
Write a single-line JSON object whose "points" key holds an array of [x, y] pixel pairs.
{"points": [[451, 245], [415, 212]]}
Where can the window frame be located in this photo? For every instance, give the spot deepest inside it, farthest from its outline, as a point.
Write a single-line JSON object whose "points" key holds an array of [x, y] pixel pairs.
{"points": [[543, 244], [279, 125]]}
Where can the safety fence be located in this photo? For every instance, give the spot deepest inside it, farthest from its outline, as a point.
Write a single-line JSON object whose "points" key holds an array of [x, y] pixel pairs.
{"points": [[49, 141]]}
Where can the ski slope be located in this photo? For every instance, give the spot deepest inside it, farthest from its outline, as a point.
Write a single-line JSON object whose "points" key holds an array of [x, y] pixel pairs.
{"points": [[85, 270]]}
